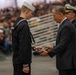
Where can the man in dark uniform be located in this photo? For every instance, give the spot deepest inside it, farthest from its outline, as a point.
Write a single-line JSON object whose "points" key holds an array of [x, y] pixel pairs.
{"points": [[21, 41], [71, 14], [65, 44]]}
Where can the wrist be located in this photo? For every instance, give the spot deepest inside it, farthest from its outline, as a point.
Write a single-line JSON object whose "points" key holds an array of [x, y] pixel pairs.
{"points": [[25, 65]]}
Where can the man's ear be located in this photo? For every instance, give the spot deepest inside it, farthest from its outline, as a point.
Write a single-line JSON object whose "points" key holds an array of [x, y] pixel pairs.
{"points": [[61, 14], [74, 14], [27, 11]]}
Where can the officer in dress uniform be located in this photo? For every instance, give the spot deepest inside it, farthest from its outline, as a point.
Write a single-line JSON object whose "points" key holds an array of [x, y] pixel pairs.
{"points": [[21, 41], [71, 13]]}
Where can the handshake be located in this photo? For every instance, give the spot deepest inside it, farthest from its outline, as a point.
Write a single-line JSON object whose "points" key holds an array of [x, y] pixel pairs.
{"points": [[43, 50]]}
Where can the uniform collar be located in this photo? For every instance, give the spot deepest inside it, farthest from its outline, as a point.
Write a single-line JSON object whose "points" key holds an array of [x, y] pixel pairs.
{"points": [[63, 20]]}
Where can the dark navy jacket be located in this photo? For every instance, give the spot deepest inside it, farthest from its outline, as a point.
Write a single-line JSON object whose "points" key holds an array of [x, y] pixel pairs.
{"points": [[21, 43], [65, 46]]}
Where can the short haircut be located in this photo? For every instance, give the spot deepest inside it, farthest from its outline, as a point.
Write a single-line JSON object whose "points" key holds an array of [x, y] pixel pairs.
{"points": [[23, 8], [59, 9]]}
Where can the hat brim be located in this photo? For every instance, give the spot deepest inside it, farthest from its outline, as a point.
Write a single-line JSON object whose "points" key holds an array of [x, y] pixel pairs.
{"points": [[69, 11]]}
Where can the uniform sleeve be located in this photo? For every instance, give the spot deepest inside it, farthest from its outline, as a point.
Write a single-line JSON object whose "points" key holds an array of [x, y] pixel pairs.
{"points": [[65, 38]]}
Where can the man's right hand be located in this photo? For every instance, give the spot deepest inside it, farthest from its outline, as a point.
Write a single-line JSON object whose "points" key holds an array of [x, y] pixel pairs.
{"points": [[26, 69], [48, 48]]}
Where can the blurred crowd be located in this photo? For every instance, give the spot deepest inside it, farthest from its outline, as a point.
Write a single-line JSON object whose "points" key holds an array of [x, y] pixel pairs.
{"points": [[8, 17]]}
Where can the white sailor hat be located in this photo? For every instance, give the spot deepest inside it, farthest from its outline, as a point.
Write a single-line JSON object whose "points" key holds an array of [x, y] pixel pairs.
{"points": [[29, 5]]}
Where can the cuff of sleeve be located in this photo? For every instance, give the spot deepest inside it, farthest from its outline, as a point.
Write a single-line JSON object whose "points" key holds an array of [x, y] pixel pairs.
{"points": [[25, 65], [51, 54]]}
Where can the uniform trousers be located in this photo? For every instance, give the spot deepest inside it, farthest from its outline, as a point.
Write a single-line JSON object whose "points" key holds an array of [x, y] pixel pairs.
{"points": [[18, 70]]}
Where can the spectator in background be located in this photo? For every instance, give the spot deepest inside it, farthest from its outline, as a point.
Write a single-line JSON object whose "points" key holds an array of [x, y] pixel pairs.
{"points": [[21, 41], [1, 23], [5, 43], [2, 41], [2, 38], [6, 28]]}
